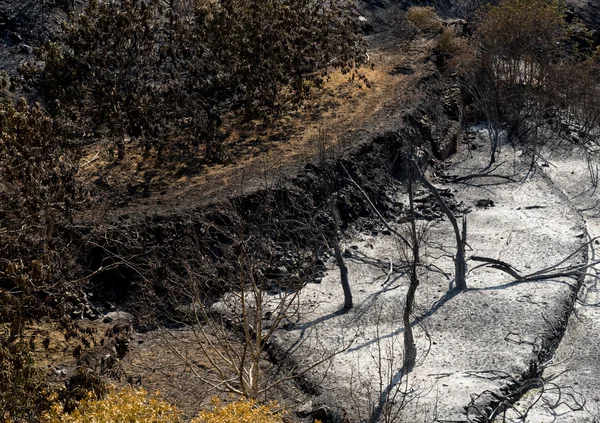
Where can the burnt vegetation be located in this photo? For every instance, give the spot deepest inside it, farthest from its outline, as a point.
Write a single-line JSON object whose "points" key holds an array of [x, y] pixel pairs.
{"points": [[151, 75], [166, 73], [159, 78]]}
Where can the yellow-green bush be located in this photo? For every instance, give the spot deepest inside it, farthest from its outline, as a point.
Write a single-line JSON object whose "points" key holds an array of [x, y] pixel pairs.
{"points": [[449, 43], [424, 18], [522, 38], [123, 406], [244, 411]]}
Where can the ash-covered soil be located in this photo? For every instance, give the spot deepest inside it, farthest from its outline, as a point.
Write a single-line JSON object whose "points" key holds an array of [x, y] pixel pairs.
{"points": [[472, 344], [570, 392]]}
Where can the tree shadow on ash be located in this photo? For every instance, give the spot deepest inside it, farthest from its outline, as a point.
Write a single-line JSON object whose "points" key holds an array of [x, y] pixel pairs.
{"points": [[383, 398], [519, 282], [435, 307], [360, 311], [308, 325]]}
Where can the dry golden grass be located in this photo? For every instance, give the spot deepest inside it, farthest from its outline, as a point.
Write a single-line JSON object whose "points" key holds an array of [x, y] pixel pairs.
{"points": [[51, 348]]}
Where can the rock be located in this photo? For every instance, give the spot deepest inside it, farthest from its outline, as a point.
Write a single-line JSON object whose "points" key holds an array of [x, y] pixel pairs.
{"points": [[89, 313], [485, 203], [321, 413], [121, 347], [15, 37], [366, 27], [59, 372], [305, 409], [279, 272], [25, 49], [107, 362], [118, 316]]}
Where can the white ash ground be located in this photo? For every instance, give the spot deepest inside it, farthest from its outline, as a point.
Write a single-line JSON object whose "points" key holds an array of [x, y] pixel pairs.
{"points": [[571, 392], [497, 325]]}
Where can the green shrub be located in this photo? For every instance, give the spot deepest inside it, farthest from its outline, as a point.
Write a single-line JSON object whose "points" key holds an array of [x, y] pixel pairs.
{"points": [[424, 18]]}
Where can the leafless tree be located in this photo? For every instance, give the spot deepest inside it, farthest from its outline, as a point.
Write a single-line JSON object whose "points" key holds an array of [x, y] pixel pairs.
{"points": [[409, 247], [460, 235], [380, 392], [264, 268], [339, 256]]}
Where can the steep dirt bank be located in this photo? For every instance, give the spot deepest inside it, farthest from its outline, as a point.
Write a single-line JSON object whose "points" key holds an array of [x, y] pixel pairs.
{"points": [[143, 246], [143, 259], [474, 346]]}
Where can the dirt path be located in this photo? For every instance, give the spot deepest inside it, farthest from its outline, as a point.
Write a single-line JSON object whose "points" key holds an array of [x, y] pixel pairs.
{"points": [[468, 342]]}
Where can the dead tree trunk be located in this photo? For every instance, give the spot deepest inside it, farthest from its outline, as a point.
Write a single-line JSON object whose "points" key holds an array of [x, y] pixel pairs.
{"points": [[410, 349], [339, 258], [460, 264], [410, 248], [121, 148]]}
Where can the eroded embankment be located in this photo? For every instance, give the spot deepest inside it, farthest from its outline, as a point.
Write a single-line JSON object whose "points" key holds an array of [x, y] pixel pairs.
{"points": [[481, 348], [155, 262], [141, 258]]}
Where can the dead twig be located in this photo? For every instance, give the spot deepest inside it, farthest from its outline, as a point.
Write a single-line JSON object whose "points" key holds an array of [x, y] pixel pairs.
{"points": [[485, 174]]}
